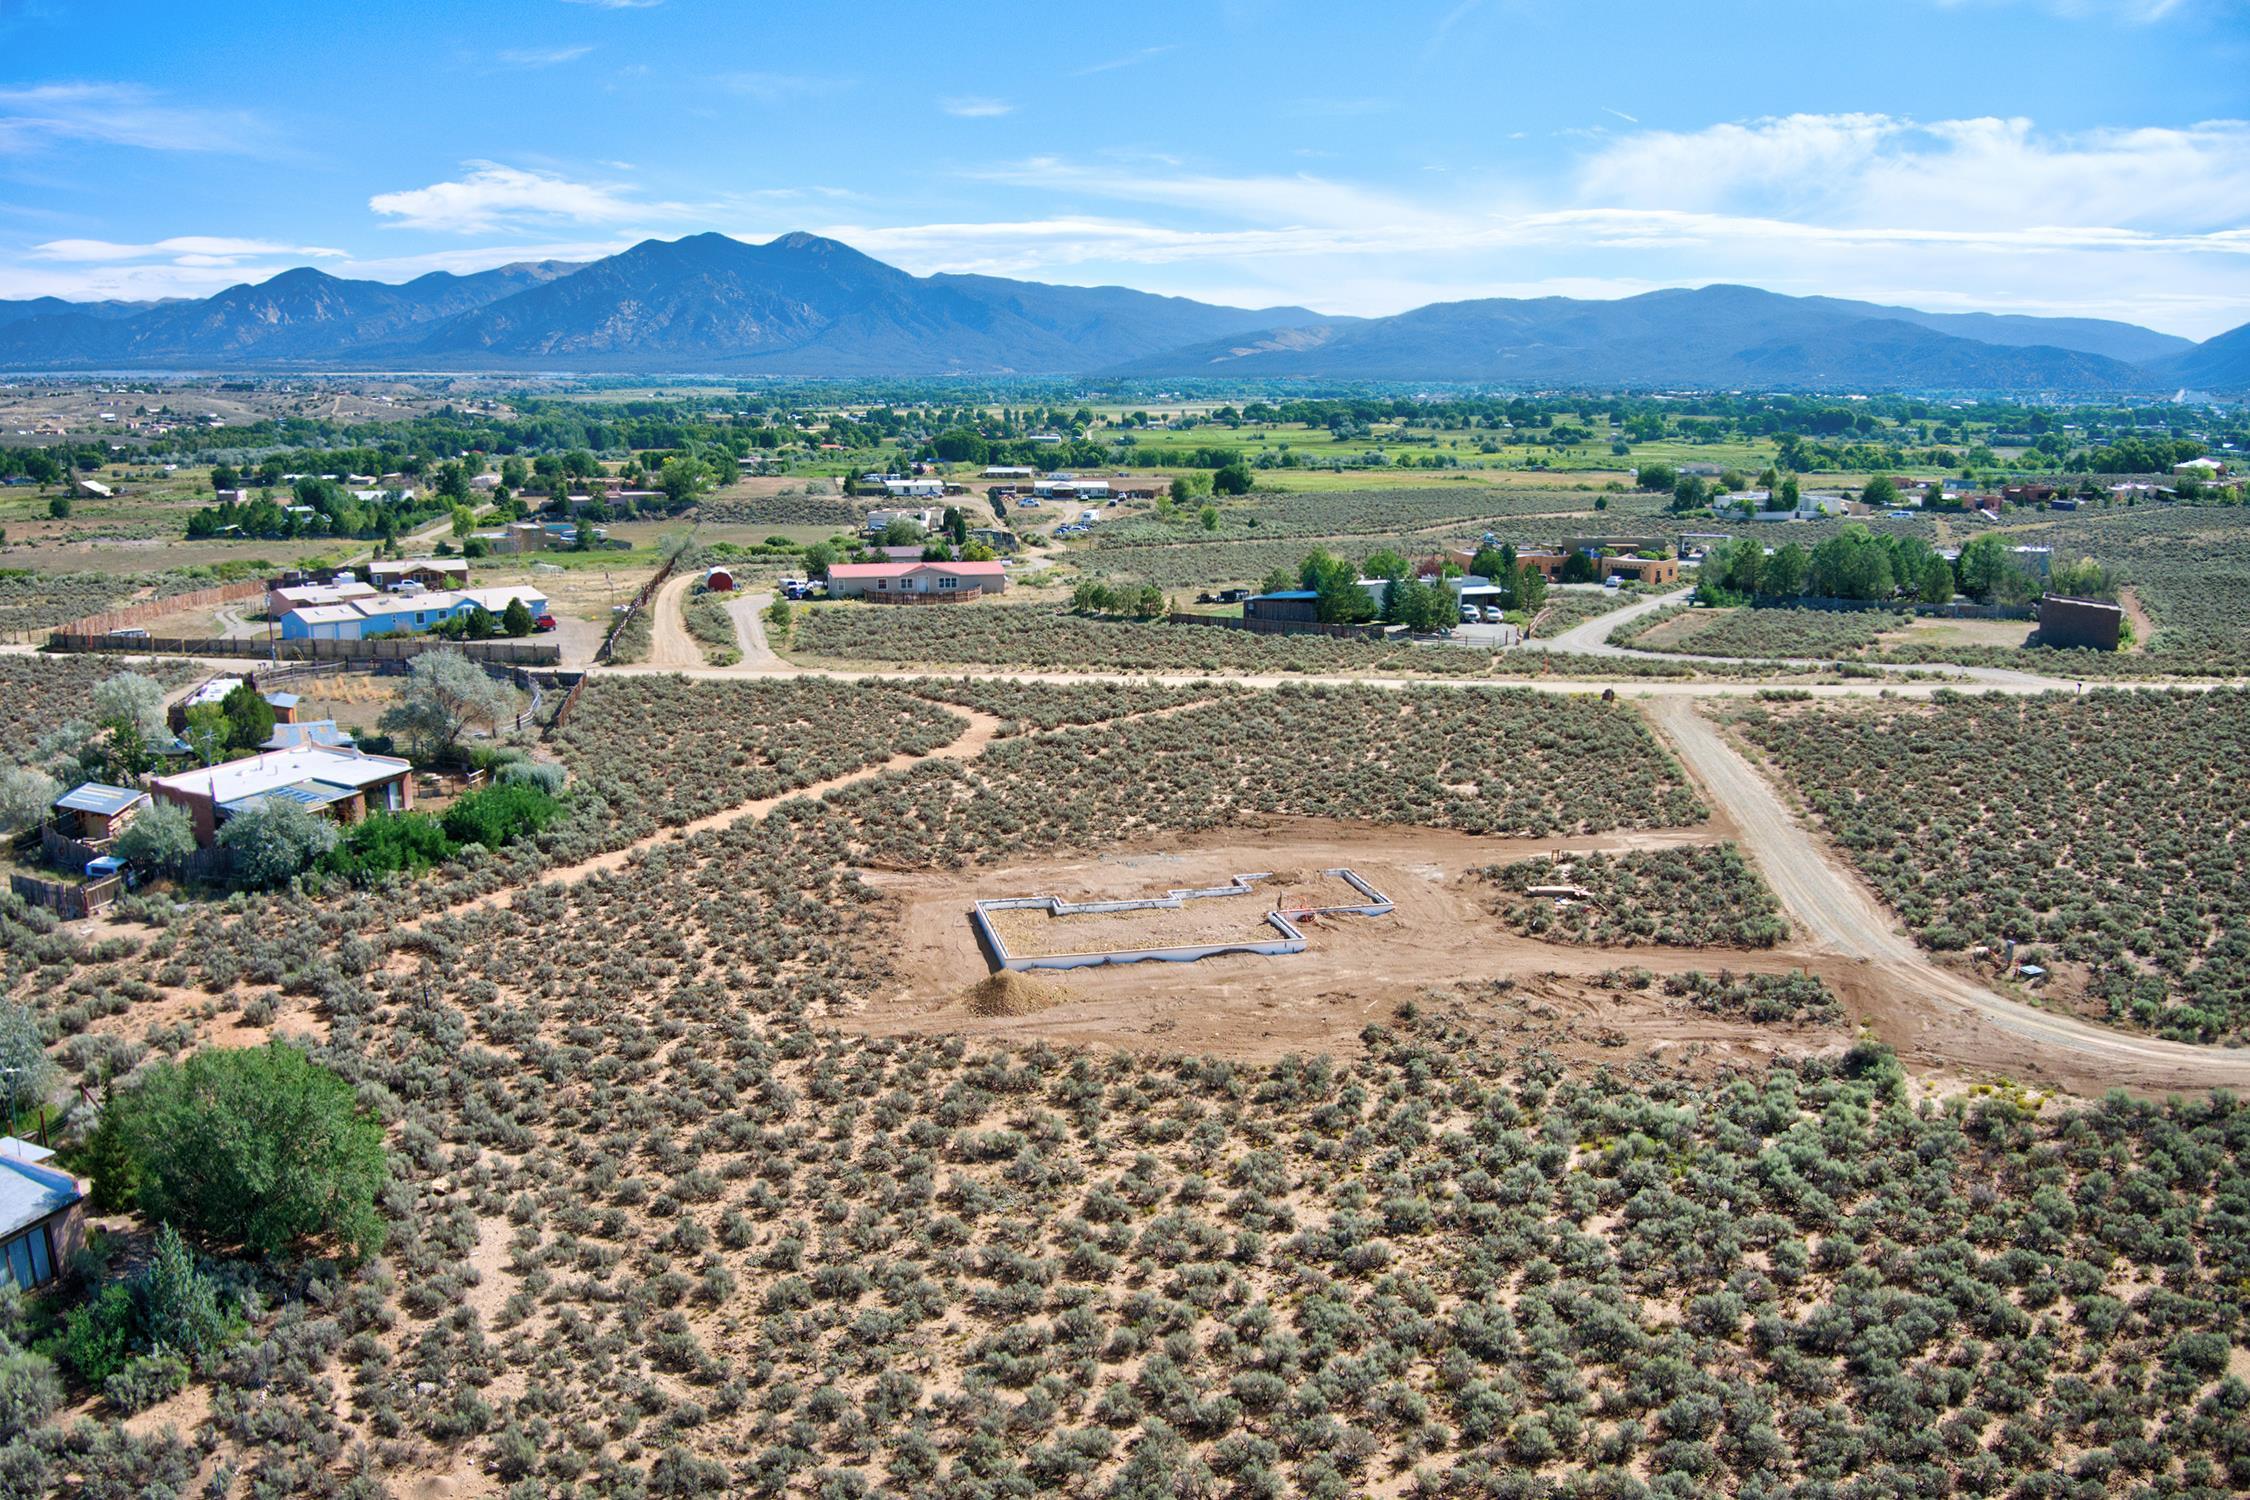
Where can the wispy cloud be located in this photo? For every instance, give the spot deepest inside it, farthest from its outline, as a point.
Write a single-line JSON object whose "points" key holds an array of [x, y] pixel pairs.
{"points": [[1130, 59], [180, 250], [543, 57], [491, 195], [120, 114], [970, 107], [1620, 114], [779, 88]]}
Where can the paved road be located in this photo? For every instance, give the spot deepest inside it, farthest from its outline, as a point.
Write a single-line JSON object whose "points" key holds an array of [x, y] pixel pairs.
{"points": [[1837, 914]]}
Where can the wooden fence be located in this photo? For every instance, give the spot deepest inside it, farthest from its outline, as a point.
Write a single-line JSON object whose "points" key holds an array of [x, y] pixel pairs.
{"points": [[387, 648], [1284, 627], [67, 899], [156, 609], [638, 603]]}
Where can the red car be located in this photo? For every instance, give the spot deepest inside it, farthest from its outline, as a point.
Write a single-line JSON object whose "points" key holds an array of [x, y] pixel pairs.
{"points": [[544, 622]]}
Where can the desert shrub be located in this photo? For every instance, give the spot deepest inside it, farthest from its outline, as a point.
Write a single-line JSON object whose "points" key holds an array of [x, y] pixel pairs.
{"points": [[498, 815], [388, 844], [542, 776], [143, 1381], [2102, 827], [29, 1392], [1757, 997], [1697, 896]]}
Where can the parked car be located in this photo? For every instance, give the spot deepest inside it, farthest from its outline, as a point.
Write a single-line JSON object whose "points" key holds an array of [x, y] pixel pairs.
{"points": [[1492, 614], [544, 622], [1468, 614]]}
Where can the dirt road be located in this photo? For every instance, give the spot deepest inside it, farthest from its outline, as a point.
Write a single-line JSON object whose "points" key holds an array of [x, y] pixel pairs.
{"points": [[670, 647], [1836, 914]]}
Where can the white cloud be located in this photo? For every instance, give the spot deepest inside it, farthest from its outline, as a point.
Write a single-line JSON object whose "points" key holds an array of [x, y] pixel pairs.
{"points": [[491, 195], [543, 57], [1876, 169], [39, 116], [184, 249], [969, 107]]}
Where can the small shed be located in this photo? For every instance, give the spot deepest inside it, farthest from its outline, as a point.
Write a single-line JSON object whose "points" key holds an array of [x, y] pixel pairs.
{"points": [[94, 813], [719, 580]]}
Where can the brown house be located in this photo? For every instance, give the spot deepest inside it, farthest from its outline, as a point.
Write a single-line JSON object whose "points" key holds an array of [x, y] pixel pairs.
{"points": [[340, 782]]}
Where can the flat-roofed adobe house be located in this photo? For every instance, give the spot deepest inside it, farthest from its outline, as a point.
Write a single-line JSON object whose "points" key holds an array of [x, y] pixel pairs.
{"points": [[916, 582], [340, 782], [42, 1219]]}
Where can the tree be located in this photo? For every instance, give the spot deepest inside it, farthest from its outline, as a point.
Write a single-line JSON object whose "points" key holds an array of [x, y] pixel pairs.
{"points": [[1181, 491], [903, 531], [2084, 579], [679, 479], [1935, 583], [1530, 589], [818, 557], [26, 1072], [161, 837], [1984, 565], [1234, 479], [516, 618], [1783, 575], [1656, 478], [260, 1147], [1880, 493], [130, 698], [1335, 582], [464, 521], [26, 794], [1277, 581], [1853, 564], [1689, 493], [1388, 562], [957, 526], [1579, 568], [275, 841], [249, 717], [59, 508], [1208, 516], [445, 693], [206, 732]]}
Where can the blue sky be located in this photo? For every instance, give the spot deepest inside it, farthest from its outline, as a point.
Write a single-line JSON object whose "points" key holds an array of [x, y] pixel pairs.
{"points": [[2073, 156]]}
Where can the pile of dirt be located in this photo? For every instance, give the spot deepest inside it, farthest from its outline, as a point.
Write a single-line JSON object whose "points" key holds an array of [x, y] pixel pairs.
{"points": [[1009, 993]]}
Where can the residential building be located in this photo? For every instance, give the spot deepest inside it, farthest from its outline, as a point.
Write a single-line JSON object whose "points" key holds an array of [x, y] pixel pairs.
{"points": [[402, 614], [1065, 487], [928, 517], [42, 1220], [1008, 471], [914, 489], [342, 783], [430, 572], [916, 582], [2201, 468], [279, 601]]}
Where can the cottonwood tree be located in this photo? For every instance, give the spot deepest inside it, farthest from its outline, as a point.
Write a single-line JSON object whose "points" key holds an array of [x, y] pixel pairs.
{"points": [[445, 693], [25, 796], [130, 698], [161, 837], [275, 840], [26, 1072]]}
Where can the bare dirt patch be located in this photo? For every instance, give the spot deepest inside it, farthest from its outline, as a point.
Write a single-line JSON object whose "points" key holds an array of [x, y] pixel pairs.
{"points": [[1933, 631]]}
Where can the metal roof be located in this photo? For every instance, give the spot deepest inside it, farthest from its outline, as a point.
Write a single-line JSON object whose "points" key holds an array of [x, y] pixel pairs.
{"points": [[94, 797], [1290, 594], [31, 1193]]}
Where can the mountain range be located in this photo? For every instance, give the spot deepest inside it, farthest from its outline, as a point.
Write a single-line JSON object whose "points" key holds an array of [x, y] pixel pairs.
{"points": [[804, 306]]}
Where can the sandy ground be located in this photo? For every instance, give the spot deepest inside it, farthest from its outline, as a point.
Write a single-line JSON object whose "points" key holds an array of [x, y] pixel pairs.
{"points": [[1441, 946], [1933, 631]]}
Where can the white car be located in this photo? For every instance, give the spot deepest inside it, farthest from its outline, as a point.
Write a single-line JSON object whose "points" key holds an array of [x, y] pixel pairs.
{"points": [[1468, 614], [1492, 614]]}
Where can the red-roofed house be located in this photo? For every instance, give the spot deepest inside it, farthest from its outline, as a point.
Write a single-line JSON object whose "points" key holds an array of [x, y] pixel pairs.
{"points": [[916, 582]]}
